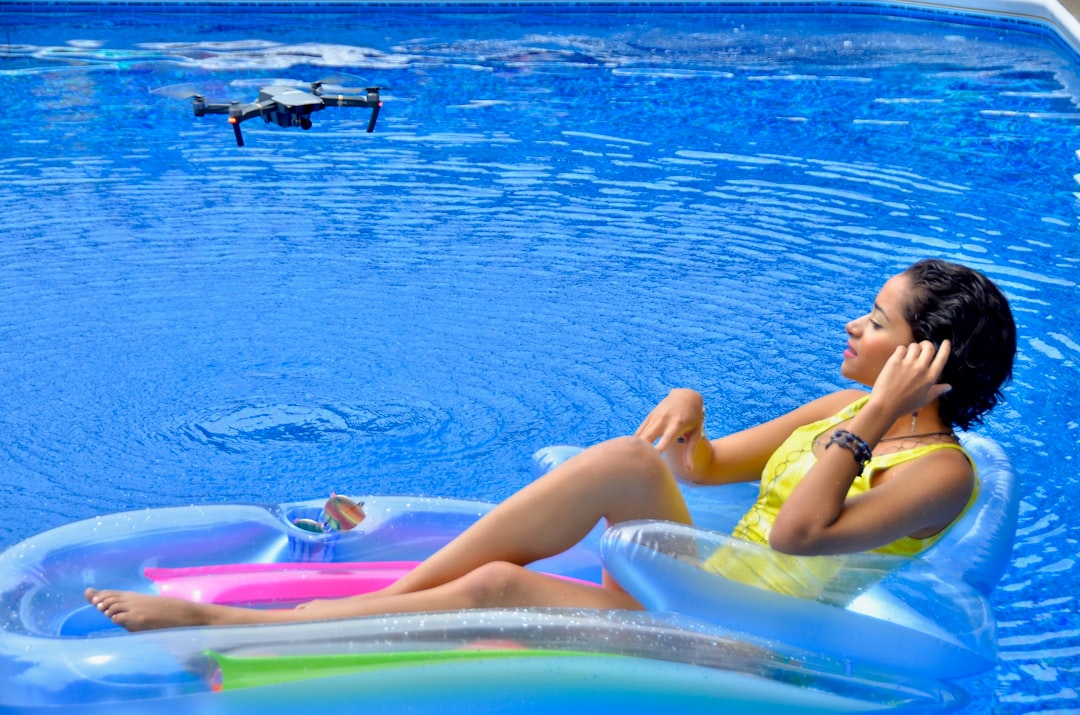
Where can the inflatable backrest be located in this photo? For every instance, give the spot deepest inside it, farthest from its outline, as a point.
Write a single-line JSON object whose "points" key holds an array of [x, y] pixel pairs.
{"points": [[979, 545], [547, 458]]}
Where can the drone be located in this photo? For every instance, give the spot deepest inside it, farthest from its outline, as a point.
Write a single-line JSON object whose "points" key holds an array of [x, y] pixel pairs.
{"points": [[289, 106]]}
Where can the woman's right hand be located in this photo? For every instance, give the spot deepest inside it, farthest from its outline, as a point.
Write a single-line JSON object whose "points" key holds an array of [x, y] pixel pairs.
{"points": [[909, 379], [679, 415]]}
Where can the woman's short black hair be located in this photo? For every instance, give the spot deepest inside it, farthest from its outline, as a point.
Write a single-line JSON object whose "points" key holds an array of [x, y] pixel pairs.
{"points": [[955, 303]]}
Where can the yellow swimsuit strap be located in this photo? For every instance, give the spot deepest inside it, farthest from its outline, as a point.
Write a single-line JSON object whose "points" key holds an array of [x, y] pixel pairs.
{"points": [[885, 461]]}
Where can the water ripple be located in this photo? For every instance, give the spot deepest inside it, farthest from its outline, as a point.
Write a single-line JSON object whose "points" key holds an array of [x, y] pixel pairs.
{"points": [[275, 423]]}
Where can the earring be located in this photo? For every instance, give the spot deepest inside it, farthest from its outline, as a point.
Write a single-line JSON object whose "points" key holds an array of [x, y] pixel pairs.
{"points": [[914, 420]]}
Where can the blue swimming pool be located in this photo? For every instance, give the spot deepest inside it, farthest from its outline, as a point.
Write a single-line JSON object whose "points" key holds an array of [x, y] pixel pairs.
{"points": [[563, 213]]}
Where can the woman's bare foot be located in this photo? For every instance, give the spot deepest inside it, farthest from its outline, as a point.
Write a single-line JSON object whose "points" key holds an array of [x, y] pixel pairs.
{"points": [[142, 612]]}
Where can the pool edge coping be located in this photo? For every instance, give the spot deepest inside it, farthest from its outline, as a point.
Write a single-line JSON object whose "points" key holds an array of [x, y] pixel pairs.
{"points": [[1049, 12]]}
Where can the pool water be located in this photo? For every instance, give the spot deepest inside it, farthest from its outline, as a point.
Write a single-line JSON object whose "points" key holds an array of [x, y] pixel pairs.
{"points": [[561, 215]]}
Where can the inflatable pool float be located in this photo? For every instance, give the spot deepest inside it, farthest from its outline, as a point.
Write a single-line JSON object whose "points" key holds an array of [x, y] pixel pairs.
{"points": [[898, 629]]}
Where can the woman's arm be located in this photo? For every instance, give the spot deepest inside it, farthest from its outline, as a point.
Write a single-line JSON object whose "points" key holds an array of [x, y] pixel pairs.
{"points": [[676, 426], [917, 498], [922, 496]]}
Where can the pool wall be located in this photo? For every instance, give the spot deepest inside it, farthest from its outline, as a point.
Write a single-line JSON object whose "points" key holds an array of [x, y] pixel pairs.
{"points": [[1052, 18]]}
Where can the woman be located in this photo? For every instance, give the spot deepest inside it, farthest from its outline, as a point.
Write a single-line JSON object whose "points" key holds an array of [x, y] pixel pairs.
{"points": [[935, 349]]}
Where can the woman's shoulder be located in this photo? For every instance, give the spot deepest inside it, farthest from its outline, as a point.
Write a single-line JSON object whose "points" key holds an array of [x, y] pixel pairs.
{"points": [[773, 433]]}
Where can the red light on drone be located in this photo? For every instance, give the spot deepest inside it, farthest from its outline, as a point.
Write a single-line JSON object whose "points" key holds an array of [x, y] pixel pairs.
{"points": [[232, 120]]}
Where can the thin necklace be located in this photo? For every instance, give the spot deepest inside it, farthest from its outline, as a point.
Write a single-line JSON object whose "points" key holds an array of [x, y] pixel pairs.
{"points": [[917, 436]]}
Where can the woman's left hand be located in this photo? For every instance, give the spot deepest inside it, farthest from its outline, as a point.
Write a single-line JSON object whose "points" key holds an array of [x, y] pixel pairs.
{"points": [[909, 379], [679, 416]]}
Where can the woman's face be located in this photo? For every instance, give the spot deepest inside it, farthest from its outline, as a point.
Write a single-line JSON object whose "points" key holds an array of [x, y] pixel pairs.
{"points": [[874, 337]]}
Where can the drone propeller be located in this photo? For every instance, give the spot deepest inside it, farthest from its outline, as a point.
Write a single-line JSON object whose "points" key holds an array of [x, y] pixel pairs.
{"points": [[177, 91], [345, 84], [260, 82], [351, 90], [341, 79], [333, 80]]}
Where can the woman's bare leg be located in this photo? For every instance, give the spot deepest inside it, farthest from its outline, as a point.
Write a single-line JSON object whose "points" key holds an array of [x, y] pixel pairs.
{"points": [[618, 480], [495, 584]]}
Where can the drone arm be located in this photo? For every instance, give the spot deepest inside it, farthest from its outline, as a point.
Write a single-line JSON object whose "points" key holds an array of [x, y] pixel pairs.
{"points": [[344, 100], [371, 99], [244, 112], [202, 108]]}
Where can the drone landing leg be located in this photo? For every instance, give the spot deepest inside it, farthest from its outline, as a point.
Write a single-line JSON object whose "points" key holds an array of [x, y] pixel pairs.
{"points": [[374, 116], [236, 131]]}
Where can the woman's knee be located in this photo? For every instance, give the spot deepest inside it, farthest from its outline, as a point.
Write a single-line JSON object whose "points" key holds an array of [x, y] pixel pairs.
{"points": [[646, 487], [633, 457], [491, 584], [632, 453]]}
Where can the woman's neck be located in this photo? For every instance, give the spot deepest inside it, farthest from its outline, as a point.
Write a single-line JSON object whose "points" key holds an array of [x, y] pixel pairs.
{"points": [[926, 421]]}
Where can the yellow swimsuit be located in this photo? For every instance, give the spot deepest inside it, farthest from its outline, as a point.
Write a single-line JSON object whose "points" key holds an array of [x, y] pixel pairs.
{"points": [[807, 576]]}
